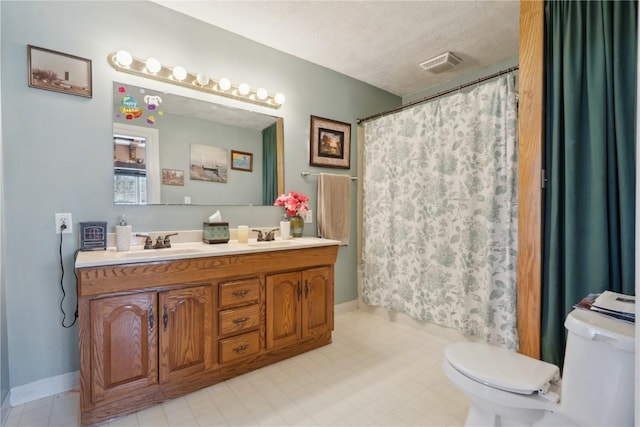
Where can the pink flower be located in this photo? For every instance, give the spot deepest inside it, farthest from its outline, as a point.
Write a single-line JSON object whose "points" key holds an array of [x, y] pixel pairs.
{"points": [[294, 203]]}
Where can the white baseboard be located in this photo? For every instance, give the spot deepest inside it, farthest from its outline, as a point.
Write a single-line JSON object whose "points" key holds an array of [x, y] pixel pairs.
{"points": [[44, 388]]}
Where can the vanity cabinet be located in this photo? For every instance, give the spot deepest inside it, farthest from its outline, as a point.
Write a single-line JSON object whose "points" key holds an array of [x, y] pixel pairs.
{"points": [[152, 331], [299, 304]]}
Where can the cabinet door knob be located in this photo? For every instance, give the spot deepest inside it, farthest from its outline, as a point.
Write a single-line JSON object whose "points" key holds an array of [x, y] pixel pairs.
{"points": [[151, 319], [165, 317]]}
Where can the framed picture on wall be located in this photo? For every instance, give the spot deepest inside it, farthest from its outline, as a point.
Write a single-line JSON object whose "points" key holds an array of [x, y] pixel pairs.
{"points": [[172, 177], [329, 143], [59, 72], [241, 161]]}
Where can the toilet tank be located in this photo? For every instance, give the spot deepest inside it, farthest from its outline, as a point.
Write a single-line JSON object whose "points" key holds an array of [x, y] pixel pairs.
{"points": [[598, 374]]}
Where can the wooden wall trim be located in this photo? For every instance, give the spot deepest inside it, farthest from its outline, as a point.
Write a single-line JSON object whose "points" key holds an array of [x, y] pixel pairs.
{"points": [[531, 134]]}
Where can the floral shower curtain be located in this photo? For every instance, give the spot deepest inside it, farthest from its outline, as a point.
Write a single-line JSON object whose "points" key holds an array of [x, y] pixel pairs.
{"points": [[440, 212]]}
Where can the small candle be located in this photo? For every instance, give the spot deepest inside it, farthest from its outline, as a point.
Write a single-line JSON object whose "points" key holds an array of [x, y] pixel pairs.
{"points": [[243, 234]]}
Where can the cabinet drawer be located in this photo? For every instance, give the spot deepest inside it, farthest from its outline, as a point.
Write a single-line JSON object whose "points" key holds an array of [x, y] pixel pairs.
{"points": [[238, 320], [239, 292], [240, 346]]}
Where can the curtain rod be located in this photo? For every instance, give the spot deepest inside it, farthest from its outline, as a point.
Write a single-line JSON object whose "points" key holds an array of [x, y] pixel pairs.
{"points": [[305, 174], [437, 95]]}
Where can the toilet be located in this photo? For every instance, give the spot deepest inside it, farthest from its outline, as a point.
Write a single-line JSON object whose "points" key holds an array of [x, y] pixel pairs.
{"points": [[510, 389]]}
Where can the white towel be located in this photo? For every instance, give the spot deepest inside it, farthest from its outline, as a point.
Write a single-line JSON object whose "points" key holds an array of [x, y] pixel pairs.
{"points": [[334, 202]]}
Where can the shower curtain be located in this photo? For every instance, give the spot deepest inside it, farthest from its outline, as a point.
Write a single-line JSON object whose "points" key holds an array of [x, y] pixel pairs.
{"points": [[440, 212]]}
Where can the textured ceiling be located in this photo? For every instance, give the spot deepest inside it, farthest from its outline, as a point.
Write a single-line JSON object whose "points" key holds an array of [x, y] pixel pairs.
{"points": [[379, 42]]}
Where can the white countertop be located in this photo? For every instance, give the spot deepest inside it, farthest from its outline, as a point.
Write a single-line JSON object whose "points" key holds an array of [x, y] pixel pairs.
{"points": [[194, 250]]}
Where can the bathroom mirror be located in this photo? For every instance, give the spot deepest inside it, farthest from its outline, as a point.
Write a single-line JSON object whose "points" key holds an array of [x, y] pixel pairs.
{"points": [[171, 149]]}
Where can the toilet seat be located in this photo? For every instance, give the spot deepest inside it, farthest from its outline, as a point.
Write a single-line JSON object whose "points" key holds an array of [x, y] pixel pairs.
{"points": [[501, 368]]}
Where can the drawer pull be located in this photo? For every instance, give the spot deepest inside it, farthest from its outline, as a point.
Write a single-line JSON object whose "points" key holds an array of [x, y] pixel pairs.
{"points": [[240, 320], [241, 348], [240, 293]]}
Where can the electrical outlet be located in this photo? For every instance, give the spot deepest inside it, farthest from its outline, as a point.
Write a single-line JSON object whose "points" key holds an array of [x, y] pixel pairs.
{"points": [[64, 218], [308, 216]]}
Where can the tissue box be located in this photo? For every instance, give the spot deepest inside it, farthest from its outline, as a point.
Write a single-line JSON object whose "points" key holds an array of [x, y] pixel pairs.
{"points": [[215, 232]]}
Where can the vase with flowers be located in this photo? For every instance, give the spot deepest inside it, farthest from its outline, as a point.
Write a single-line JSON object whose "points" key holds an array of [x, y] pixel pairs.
{"points": [[295, 205]]}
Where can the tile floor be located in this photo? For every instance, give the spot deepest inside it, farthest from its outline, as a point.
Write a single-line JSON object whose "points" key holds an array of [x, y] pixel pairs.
{"points": [[375, 373]]}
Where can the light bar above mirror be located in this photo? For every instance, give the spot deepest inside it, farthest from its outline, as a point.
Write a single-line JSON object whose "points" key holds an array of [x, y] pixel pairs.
{"points": [[152, 68]]}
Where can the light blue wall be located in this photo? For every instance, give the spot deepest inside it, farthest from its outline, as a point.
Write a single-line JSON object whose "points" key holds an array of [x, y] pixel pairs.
{"points": [[58, 150]]}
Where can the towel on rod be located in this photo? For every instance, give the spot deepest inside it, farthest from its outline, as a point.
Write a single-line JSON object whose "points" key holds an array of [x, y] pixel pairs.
{"points": [[334, 202]]}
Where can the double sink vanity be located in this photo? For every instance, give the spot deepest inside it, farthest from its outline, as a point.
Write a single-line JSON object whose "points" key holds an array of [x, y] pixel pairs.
{"points": [[156, 324]]}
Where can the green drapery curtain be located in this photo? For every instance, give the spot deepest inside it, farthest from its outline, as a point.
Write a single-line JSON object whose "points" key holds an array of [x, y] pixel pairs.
{"points": [[589, 155], [269, 165]]}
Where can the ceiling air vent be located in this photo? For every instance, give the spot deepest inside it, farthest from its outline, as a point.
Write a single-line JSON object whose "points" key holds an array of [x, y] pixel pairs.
{"points": [[440, 63]]}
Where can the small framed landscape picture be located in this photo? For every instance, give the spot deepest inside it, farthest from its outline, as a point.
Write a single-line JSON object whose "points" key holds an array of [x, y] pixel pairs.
{"points": [[59, 72], [172, 177], [329, 143], [241, 161]]}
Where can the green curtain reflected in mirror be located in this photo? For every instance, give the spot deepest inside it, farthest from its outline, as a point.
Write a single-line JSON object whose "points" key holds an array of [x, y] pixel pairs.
{"points": [[270, 165]]}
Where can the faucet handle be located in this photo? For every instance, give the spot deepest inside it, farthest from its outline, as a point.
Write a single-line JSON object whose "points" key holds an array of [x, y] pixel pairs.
{"points": [[167, 242], [148, 243], [260, 237]]}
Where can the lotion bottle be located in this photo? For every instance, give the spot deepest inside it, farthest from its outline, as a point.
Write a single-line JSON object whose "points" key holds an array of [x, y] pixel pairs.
{"points": [[123, 235]]}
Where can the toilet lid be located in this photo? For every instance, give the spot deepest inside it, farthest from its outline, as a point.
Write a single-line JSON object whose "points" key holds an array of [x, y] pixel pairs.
{"points": [[500, 368]]}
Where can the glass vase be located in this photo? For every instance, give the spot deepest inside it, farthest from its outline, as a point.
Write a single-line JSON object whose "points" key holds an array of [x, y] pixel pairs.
{"points": [[297, 226]]}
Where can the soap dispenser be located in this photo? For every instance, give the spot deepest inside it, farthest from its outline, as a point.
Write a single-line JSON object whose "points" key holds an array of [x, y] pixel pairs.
{"points": [[285, 227], [123, 235]]}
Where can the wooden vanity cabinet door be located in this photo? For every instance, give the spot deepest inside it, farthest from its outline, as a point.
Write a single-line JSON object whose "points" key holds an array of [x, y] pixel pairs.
{"points": [[124, 356], [283, 309], [186, 326], [317, 301]]}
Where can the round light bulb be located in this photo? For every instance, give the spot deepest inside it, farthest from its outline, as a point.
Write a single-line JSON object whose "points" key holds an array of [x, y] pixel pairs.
{"points": [[279, 98], [179, 73], [244, 89], [262, 93], [224, 84], [153, 65], [202, 79], [124, 58]]}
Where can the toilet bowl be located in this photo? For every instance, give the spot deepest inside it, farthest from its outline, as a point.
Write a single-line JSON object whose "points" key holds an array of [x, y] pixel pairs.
{"points": [[509, 389]]}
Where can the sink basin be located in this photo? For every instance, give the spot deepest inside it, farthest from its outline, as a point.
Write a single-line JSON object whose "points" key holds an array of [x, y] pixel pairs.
{"points": [[271, 244], [150, 253]]}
